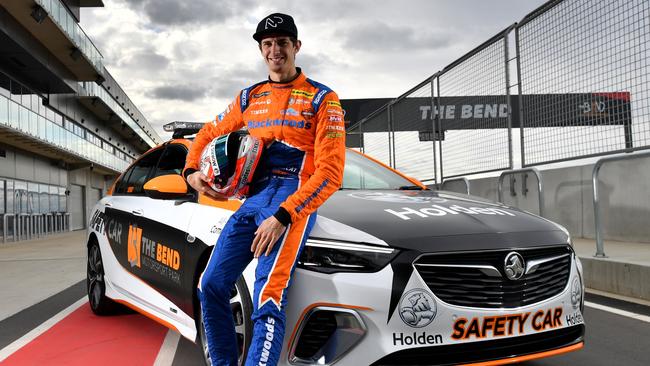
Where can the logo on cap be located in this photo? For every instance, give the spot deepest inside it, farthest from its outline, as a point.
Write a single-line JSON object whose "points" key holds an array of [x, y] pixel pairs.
{"points": [[272, 23]]}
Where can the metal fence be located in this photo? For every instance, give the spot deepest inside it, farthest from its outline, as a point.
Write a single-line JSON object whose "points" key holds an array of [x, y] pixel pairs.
{"points": [[477, 135], [412, 156], [590, 60], [569, 81]]}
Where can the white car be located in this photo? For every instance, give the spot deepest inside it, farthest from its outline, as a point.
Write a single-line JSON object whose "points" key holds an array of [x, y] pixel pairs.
{"points": [[392, 273]]}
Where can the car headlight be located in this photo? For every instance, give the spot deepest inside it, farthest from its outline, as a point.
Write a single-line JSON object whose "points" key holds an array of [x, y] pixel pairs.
{"points": [[329, 256]]}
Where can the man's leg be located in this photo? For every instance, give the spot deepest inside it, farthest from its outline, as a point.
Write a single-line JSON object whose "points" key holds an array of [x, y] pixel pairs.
{"points": [[229, 258], [273, 277]]}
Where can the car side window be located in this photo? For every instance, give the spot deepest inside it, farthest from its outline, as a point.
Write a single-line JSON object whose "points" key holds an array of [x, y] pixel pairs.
{"points": [[172, 160], [133, 183], [120, 186]]}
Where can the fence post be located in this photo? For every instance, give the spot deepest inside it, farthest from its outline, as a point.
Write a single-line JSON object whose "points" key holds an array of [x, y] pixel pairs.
{"points": [[391, 137], [521, 104], [510, 109], [439, 121], [434, 128]]}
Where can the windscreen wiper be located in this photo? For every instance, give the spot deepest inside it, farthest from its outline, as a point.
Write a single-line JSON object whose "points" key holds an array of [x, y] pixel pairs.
{"points": [[410, 188]]}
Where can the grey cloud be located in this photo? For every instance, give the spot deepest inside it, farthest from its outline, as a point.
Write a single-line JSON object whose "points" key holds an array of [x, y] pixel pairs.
{"points": [[186, 50], [229, 82], [318, 65], [150, 60], [185, 93], [207, 81], [143, 57], [312, 62], [181, 12], [378, 36], [318, 12]]}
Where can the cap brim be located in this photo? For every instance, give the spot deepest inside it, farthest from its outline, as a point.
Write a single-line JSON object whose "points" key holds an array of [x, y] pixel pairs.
{"points": [[259, 36]]}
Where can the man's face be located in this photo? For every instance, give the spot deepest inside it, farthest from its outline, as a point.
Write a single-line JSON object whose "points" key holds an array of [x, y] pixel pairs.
{"points": [[279, 53]]}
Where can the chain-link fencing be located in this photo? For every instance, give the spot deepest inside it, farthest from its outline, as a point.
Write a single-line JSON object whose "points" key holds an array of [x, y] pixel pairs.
{"points": [[569, 81], [584, 79]]}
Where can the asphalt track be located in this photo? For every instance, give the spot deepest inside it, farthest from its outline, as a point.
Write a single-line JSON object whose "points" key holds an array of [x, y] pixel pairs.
{"points": [[62, 330]]}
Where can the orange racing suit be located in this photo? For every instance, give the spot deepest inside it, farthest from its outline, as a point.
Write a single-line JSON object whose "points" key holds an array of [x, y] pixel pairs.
{"points": [[301, 125]]}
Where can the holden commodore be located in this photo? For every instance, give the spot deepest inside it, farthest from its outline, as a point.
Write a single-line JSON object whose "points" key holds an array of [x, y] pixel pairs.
{"points": [[392, 274]]}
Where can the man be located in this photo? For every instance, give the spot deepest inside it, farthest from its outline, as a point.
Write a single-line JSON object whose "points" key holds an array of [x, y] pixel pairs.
{"points": [[301, 124]]}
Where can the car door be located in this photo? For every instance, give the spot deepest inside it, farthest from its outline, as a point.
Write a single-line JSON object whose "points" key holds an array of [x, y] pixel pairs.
{"points": [[146, 238], [159, 239], [120, 209]]}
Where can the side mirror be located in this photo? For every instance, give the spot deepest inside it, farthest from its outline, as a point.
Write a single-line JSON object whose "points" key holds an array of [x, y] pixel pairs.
{"points": [[168, 186]]}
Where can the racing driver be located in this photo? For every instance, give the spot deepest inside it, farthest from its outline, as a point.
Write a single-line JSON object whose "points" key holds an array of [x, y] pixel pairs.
{"points": [[301, 125]]}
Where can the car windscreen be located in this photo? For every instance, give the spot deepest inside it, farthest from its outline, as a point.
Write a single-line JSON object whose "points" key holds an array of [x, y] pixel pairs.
{"points": [[363, 173]]}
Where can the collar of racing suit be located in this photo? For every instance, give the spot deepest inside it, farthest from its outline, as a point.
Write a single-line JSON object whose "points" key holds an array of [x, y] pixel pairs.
{"points": [[298, 73]]}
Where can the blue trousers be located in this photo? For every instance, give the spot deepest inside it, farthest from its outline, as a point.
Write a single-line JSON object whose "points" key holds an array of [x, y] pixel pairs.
{"points": [[230, 257]]}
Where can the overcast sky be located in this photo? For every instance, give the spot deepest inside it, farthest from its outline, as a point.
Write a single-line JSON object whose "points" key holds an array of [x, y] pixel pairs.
{"points": [[186, 60]]}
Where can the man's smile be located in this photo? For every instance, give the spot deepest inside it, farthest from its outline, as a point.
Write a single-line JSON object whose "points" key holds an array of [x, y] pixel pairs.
{"points": [[276, 59]]}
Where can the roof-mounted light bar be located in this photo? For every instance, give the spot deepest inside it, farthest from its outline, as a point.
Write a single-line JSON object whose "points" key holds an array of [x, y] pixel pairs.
{"points": [[181, 129]]}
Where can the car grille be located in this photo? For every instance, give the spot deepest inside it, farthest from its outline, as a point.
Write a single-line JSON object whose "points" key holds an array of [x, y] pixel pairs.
{"points": [[477, 279], [486, 350]]}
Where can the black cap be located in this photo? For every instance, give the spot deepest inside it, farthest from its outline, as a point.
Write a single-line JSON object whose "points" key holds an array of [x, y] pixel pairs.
{"points": [[276, 23]]}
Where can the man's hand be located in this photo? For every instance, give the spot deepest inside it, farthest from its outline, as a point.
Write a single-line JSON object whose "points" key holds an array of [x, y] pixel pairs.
{"points": [[199, 182], [266, 235]]}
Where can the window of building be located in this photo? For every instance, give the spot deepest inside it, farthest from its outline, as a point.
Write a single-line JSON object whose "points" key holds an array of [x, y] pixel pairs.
{"points": [[108, 147], [15, 89], [2, 197], [4, 85]]}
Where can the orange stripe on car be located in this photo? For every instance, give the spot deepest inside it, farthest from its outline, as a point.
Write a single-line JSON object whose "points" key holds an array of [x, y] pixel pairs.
{"points": [[534, 356], [231, 205], [148, 315]]}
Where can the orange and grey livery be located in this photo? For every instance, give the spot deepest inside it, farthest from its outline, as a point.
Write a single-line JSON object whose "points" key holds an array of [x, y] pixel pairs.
{"points": [[301, 125]]}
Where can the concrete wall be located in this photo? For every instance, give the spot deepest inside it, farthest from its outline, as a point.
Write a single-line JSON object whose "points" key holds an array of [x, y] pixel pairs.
{"points": [[568, 198], [21, 165], [24, 166]]}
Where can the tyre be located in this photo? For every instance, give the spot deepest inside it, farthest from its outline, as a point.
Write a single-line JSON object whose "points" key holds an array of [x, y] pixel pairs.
{"points": [[242, 310], [95, 283]]}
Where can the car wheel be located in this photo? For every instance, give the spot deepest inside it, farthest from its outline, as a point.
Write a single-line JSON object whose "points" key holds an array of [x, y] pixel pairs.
{"points": [[242, 310], [95, 284]]}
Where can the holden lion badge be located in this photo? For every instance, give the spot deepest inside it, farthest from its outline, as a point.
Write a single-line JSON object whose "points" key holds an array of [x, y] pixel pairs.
{"points": [[417, 308], [514, 266]]}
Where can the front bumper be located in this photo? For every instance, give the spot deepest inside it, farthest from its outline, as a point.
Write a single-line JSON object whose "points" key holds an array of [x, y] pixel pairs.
{"points": [[421, 328]]}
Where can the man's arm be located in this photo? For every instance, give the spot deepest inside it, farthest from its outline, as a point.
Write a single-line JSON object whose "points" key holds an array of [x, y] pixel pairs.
{"points": [[329, 160], [228, 121]]}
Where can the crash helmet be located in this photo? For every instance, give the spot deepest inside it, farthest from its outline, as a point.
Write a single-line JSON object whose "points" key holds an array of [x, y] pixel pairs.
{"points": [[229, 161]]}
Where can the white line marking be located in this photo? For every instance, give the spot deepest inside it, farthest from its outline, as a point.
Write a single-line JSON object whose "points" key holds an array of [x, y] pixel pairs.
{"points": [[168, 349], [24, 340], [643, 318]]}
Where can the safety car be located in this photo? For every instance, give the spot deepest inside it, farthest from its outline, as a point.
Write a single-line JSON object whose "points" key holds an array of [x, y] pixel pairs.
{"points": [[393, 273]]}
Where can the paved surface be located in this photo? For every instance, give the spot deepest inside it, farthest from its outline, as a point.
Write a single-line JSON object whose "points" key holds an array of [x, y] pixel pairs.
{"points": [[616, 251], [33, 270], [624, 271], [44, 315]]}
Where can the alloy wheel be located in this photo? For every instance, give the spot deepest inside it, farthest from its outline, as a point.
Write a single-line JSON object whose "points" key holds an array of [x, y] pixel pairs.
{"points": [[95, 280]]}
